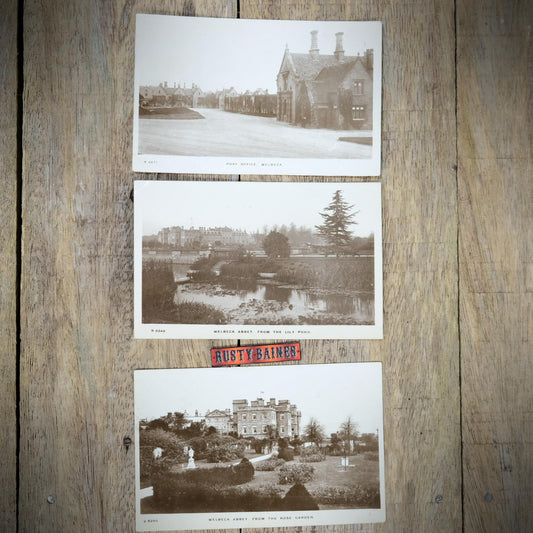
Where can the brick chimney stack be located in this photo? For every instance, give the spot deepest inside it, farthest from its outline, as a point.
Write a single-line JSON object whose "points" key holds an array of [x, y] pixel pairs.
{"points": [[314, 51], [369, 58], [339, 50]]}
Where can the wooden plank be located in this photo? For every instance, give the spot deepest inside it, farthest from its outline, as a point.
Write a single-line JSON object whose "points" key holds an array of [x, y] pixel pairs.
{"points": [[495, 184], [420, 348], [78, 352], [8, 265]]}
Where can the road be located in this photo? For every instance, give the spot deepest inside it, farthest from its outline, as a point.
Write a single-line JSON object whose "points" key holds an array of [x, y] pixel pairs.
{"points": [[231, 134]]}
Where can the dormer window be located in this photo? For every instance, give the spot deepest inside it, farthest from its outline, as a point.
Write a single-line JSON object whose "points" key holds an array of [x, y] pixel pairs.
{"points": [[358, 87]]}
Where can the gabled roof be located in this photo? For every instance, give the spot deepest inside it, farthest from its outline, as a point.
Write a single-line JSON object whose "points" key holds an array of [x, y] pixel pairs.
{"points": [[336, 73], [216, 412], [308, 67]]}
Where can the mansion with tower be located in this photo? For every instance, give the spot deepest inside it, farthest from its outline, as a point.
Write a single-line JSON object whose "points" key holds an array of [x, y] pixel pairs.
{"points": [[252, 419]]}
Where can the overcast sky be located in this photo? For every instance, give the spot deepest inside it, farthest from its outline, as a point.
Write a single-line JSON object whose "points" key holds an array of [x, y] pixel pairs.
{"points": [[217, 53], [250, 205], [329, 393]]}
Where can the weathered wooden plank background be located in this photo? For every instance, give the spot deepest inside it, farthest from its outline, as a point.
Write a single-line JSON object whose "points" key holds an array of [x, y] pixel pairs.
{"points": [[458, 261], [8, 263]]}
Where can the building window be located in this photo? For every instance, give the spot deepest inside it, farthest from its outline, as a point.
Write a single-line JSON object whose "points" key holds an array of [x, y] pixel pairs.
{"points": [[358, 87], [358, 112], [264, 429], [244, 429], [254, 417], [254, 429], [244, 416], [282, 417], [282, 430]]}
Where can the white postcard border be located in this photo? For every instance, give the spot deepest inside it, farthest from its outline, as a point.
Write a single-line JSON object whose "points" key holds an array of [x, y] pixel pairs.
{"points": [[230, 520], [239, 331], [264, 165]]}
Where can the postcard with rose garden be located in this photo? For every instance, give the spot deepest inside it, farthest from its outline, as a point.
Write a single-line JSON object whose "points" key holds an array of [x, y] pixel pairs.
{"points": [[226, 448]]}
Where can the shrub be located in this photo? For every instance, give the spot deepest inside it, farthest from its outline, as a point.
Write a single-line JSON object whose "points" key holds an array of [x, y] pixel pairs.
{"points": [[158, 288], [269, 465], [197, 313], [287, 454], [295, 473], [311, 454], [244, 471], [239, 270], [315, 458], [298, 499], [202, 275], [211, 477], [158, 438], [354, 496], [199, 445], [221, 454], [174, 496], [204, 263]]}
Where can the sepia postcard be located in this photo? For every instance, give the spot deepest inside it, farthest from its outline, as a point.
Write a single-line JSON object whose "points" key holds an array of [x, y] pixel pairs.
{"points": [[242, 96], [256, 260], [230, 448]]}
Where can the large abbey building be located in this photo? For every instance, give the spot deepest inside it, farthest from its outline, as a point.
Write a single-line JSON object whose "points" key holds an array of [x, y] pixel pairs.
{"points": [[252, 419]]}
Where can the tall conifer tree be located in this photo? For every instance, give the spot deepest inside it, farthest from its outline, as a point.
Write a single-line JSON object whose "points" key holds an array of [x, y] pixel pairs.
{"points": [[337, 218]]}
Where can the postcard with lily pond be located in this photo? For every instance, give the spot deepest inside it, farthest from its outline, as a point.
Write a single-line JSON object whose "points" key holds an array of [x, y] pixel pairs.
{"points": [[258, 260], [238, 96], [230, 448]]}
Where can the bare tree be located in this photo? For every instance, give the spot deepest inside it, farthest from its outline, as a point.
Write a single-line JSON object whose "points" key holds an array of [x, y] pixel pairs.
{"points": [[314, 432]]}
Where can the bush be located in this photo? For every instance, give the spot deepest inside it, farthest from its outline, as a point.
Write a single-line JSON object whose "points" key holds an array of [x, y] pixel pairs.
{"points": [[158, 438], [172, 496], [239, 270], [158, 288], [211, 477], [295, 473], [197, 313], [311, 454], [287, 454], [354, 496], [244, 471], [222, 454], [269, 465], [315, 458]]}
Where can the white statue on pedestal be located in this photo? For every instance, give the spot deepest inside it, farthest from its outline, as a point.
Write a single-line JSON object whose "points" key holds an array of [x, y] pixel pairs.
{"points": [[191, 464]]}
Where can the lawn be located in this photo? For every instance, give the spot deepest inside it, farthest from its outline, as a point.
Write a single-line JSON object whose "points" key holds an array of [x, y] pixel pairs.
{"points": [[329, 473]]}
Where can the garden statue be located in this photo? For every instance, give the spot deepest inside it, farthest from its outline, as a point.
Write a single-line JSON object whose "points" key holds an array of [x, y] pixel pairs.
{"points": [[191, 464]]}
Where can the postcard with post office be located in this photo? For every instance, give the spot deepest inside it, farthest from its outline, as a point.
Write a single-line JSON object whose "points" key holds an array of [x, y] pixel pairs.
{"points": [[238, 96]]}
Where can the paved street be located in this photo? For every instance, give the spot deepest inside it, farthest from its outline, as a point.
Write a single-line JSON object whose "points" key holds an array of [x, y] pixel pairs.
{"points": [[231, 134]]}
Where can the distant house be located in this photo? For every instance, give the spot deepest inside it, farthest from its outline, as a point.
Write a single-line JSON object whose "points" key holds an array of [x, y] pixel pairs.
{"points": [[221, 420], [164, 95], [326, 91]]}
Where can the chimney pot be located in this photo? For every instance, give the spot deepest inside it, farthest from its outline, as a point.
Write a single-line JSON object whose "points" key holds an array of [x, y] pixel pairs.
{"points": [[314, 51], [339, 50]]}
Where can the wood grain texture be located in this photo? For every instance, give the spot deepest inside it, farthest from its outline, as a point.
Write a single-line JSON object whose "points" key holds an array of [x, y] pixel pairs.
{"points": [[8, 263], [447, 307], [495, 139], [78, 352], [420, 348]]}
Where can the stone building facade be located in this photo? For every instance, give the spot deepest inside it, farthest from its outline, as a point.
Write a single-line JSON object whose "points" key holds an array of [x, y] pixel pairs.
{"points": [[253, 419], [326, 90]]}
